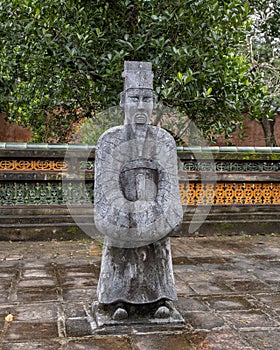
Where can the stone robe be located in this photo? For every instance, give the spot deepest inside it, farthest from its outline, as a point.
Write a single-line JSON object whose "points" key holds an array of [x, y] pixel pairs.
{"points": [[136, 275], [137, 205]]}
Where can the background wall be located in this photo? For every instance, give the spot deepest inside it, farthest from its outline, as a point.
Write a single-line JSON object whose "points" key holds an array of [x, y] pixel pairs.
{"points": [[12, 132], [254, 135], [253, 130], [47, 189]]}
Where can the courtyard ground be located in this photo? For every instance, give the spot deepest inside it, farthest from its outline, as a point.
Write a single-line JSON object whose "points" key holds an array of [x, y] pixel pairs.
{"points": [[228, 293]]}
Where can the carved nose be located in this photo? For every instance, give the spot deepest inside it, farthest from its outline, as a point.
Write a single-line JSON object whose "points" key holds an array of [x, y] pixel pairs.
{"points": [[140, 104]]}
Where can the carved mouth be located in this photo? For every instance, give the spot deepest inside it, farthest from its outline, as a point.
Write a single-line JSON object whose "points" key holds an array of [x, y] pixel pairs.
{"points": [[140, 119]]}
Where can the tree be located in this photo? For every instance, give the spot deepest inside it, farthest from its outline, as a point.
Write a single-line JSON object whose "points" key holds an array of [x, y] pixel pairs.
{"points": [[264, 54], [67, 55]]}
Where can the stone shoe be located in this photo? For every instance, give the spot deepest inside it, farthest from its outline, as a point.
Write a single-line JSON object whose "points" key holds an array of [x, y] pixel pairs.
{"points": [[162, 312], [120, 314]]}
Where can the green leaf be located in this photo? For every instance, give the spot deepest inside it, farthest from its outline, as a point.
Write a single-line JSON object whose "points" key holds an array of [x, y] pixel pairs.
{"points": [[208, 92], [72, 59]]}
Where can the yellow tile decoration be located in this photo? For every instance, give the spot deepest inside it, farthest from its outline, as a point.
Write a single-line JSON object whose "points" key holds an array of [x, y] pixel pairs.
{"points": [[228, 193], [33, 165]]}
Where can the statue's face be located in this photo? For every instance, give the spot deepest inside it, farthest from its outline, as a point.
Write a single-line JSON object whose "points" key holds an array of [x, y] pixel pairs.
{"points": [[138, 106]]}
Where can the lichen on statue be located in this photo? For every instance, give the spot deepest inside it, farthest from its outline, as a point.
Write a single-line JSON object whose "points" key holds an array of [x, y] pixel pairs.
{"points": [[137, 203]]}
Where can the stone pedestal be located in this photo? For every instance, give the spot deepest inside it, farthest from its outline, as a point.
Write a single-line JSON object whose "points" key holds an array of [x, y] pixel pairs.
{"points": [[141, 317]]}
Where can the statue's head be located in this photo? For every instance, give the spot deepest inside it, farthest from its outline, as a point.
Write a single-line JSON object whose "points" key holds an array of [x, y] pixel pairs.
{"points": [[137, 99]]}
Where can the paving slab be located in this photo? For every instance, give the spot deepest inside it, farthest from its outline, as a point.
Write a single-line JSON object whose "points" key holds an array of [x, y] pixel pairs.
{"points": [[228, 293], [31, 345], [179, 341], [100, 343], [268, 339], [222, 341]]}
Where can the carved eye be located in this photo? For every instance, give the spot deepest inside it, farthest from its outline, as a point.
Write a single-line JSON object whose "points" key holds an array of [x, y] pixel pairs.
{"points": [[147, 98], [134, 98]]}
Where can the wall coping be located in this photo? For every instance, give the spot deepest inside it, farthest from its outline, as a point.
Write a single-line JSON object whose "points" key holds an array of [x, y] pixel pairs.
{"points": [[45, 146], [87, 147]]}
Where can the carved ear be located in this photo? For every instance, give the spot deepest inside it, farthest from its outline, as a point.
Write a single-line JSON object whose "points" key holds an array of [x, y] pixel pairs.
{"points": [[154, 101], [122, 99]]}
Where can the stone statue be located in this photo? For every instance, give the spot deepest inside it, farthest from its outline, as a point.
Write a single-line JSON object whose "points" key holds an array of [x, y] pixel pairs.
{"points": [[137, 206]]}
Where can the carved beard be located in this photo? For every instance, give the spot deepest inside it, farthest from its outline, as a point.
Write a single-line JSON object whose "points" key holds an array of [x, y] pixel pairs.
{"points": [[140, 131], [138, 181], [140, 135]]}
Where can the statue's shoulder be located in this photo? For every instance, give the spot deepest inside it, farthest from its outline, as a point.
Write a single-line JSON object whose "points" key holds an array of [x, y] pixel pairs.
{"points": [[162, 135], [111, 134]]}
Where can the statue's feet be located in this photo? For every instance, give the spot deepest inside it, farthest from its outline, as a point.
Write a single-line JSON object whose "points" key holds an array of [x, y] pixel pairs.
{"points": [[162, 312], [120, 314]]}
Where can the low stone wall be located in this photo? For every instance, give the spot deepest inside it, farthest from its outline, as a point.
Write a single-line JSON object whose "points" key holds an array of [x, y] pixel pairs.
{"points": [[46, 191]]}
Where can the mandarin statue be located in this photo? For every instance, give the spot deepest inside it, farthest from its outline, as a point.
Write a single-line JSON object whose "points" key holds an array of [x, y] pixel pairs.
{"points": [[137, 207]]}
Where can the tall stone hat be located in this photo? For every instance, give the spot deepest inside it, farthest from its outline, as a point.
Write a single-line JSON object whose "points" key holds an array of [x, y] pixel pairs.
{"points": [[138, 75]]}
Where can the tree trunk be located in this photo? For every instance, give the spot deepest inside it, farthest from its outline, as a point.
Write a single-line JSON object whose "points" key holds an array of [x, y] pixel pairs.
{"points": [[268, 128]]}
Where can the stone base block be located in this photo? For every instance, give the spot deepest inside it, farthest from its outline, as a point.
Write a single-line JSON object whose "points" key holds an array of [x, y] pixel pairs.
{"points": [[103, 323]]}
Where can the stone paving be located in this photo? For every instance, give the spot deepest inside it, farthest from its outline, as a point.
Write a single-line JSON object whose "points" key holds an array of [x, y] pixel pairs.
{"points": [[228, 289]]}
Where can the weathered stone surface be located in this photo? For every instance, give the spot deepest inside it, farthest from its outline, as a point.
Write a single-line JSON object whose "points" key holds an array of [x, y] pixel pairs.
{"points": [[204, 320], [138, 75], [268, 339], [137, 206], [249, 319], [32, 345], [100, 343], [137, 276], [137, 198], [31, 331], [234, 302], [136, 191], [144, 316], [163, 342], [221, 341]]}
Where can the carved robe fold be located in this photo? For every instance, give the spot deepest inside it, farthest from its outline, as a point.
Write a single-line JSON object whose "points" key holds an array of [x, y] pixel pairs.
{"points": [[136, 275], [137, 206]]}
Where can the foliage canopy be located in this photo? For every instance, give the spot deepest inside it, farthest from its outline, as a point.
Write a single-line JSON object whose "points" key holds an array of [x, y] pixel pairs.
{"points": [[264, 55], [61, 60]]}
